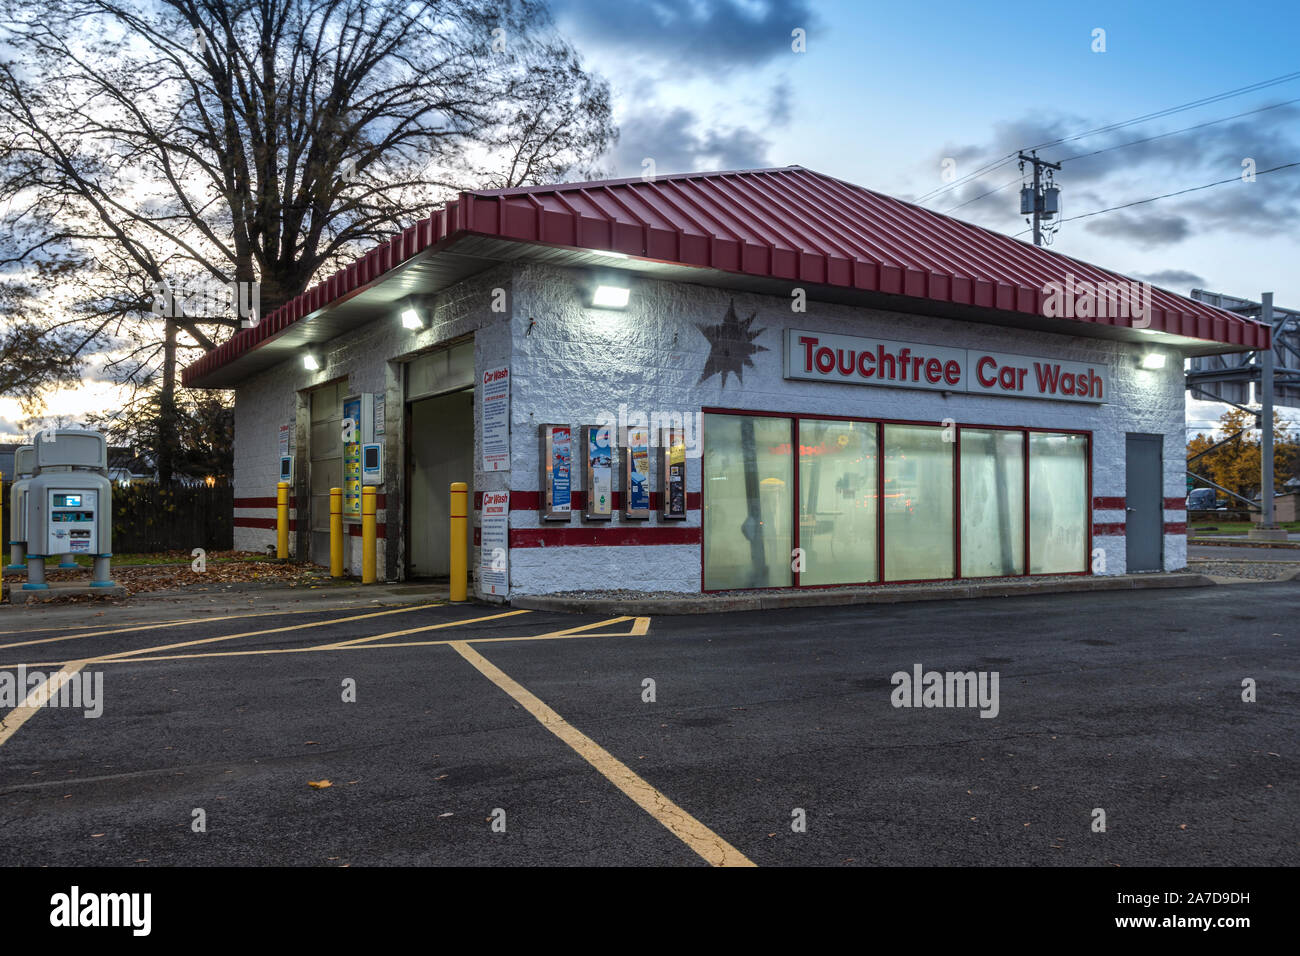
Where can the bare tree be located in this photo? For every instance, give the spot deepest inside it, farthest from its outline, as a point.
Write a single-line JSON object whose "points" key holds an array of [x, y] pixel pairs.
{"points": [[144, 142]]}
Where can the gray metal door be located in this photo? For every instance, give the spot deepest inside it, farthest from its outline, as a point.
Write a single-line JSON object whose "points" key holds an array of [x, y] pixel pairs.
{"points": [[1144, 503]]}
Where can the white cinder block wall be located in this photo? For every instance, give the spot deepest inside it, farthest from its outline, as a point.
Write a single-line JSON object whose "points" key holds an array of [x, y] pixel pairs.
{"points": [[370, 359], [580, 363]]}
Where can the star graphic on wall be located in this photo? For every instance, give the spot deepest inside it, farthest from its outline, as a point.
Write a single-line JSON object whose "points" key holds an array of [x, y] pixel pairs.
{"points": [[731, 346]]}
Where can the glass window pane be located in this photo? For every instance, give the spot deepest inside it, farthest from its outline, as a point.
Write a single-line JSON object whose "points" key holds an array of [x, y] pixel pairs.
{"points": [[837, 506], [1058, 502], [748, 502], [918, 503], [992, 502]]}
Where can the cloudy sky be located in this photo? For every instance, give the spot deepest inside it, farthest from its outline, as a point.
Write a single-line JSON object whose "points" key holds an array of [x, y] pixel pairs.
{"points": [[884, 93]]}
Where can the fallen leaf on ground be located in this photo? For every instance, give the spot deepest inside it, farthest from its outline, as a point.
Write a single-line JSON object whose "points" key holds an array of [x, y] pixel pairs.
{"points": [[319, 784]]}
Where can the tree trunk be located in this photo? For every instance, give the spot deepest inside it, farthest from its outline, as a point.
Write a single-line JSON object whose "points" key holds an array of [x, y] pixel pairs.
{"points": [[167, 437]]}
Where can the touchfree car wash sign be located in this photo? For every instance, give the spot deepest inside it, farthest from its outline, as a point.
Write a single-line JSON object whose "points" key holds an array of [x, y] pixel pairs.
{"points": [[823, 357]]}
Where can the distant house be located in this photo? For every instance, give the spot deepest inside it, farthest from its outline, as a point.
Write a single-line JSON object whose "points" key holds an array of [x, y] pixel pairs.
{"points": [[127, 465]]}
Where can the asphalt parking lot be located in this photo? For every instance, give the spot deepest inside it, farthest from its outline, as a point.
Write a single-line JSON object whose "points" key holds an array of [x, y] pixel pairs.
{"points": [[482, 736]]}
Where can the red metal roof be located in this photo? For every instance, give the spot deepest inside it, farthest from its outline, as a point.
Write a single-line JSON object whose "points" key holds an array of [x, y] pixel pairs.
{"points": [[786, 224]]}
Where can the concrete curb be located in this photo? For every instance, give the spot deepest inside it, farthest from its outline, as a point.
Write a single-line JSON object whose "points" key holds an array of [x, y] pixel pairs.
{"points": [[59, 590], [1243, 543], [765, 601]]}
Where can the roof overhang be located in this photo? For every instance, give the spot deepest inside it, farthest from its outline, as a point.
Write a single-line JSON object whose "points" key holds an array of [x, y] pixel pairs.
{"points": [[675, 228]]}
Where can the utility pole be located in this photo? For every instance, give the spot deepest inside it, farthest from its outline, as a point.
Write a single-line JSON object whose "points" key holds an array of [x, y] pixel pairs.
{"points": [[1043, 205], [1266, 421]]}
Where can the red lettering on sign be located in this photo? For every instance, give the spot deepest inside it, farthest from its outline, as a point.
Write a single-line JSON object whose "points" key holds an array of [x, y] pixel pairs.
{"points": [[952, 372], [1049, 377], [807, 341], [984, 361], [825, 359], [933, 371]]}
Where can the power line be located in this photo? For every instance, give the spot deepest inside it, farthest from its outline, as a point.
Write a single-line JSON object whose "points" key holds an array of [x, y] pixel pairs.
{"points": [[1185, 129], [1135, 142], [1204, 101], [1180, 192], [997, 189]]}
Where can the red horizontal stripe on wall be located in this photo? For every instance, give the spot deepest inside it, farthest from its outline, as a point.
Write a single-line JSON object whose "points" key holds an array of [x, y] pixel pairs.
{"points": [[1175, 527], [1108, 504], [263, 523], [598, 537], [1175, 504], [354, 529], [1102, 529], [261, 502], [270, 502]]}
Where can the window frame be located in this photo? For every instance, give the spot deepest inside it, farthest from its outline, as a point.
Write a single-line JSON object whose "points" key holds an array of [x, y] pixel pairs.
{"points": [[794, 419]]}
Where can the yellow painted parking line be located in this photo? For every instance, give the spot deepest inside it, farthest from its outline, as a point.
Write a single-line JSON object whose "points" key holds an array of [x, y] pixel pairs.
{"points": [[270, 630], [192, 620], [715, 850], [418, 630], [34, 701], [637, 631]]}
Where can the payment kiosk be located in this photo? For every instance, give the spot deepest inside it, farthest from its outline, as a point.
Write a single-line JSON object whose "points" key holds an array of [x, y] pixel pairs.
{"points": [[69, 505], [24, 469]]}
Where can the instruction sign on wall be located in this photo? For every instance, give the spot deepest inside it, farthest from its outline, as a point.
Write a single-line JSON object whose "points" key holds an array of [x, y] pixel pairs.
{"points": [[352, 459], [496, 419], [494, 538]]}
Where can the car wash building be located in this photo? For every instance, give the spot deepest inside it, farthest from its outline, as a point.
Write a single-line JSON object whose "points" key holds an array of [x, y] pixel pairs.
{"points": [[754, 379]]}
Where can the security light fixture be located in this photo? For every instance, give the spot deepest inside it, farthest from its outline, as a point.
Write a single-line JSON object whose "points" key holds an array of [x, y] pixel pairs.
{"points": [[411, 319], [310, 362], [610, 297], [1153, 360]]}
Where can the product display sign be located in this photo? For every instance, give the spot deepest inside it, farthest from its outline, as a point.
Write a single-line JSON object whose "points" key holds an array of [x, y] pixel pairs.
{"points": [[596, 440], [557, 472], [494, 537], [352, 459], [286, 431], [850, 359], [672, 452], [636, 474], [495, 403]]}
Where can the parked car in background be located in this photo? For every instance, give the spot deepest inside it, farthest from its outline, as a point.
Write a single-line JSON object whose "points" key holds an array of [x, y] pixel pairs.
{"points": [[1202, 499]]}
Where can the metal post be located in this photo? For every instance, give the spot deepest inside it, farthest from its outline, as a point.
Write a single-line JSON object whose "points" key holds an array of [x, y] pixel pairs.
{"points": [[282, 520], [36, 573], [1038, 228], [368, 534], [459, 540], [336, 532], [1266, 414], [101, 576]]}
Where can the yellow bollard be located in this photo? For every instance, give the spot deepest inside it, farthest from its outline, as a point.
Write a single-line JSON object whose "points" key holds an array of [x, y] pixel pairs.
{"points": [[282, 520], [459, 540], [368, 535], [336, 532]]}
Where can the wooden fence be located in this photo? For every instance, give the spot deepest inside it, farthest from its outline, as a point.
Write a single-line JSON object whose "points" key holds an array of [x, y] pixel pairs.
{"points": [[147, 518]]}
